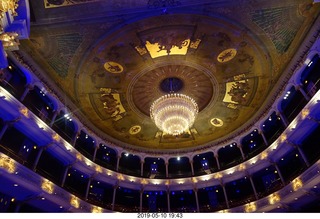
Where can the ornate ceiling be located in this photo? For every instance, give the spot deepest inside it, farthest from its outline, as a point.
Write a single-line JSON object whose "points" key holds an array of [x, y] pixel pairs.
{"points": [[113, 58]]}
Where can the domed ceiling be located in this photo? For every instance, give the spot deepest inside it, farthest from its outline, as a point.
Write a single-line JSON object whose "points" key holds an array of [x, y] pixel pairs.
{"points": [[112, 59]]}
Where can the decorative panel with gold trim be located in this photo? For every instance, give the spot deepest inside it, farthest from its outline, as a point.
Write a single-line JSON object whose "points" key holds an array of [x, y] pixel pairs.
{"points": [[63, 3]]}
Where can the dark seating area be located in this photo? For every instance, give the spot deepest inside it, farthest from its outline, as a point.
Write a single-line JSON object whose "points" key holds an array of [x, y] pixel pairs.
{"points": [[292, 103], [76, 182], [211, 199], [240, 192], [252, 144], [310, 76], [272, 127], [130, 164], [15, 144], [266, 181], [127, 200], [154, 168], [291, 165], [310, 145], [14, 80], [106, 157], [229, 155], [154, 201], [85, 144], [65, 127], [204, 163], [179, 167], [40, 104], [100, 193], [51, 167], [183, 201]]}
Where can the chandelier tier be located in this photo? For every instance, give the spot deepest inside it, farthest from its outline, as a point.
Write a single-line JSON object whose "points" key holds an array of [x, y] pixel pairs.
{"points": [[174, 113]]}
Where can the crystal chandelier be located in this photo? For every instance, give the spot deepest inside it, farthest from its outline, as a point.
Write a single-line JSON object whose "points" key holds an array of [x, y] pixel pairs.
{"points": [[174, 113]]}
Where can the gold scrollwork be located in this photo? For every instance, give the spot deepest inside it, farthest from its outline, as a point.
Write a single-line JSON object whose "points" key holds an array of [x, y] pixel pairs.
{"points": [[6, 5]]}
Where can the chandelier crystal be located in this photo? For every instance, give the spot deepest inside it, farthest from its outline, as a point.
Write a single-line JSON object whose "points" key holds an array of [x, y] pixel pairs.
{"points": [[174, 113]]}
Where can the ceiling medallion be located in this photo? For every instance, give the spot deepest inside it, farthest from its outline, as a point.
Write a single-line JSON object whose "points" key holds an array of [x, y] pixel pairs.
{"points": [[174, 113], [227, 55], [135, 129], [113, 67], [216, 122]]}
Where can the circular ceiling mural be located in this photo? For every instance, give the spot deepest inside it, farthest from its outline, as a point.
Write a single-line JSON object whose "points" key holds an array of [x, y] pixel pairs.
{"points": [[216, 62], [147, 86]]}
